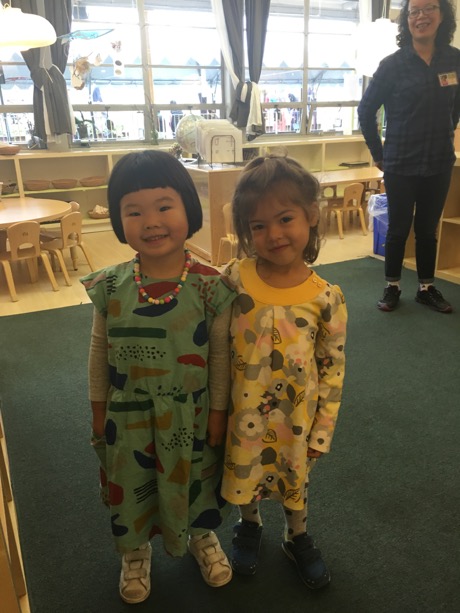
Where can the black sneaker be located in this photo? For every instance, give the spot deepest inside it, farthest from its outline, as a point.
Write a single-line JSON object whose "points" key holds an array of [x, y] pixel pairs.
{"points": [[390, 298], [247, 536], [433, 298], [310, 565]]}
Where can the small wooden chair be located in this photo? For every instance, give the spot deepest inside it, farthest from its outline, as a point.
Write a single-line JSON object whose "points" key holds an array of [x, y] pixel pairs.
{"points": [[47, 233], [70, 237], [230, 237], [24, 243], [351, 202]]}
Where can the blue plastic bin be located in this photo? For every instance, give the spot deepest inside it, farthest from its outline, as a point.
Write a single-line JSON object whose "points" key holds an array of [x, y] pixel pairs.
{"points": [[379, 212]]}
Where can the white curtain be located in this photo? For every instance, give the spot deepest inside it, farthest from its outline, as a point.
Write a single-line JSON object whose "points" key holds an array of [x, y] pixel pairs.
{"points": [[246, 111], [218, 11]]}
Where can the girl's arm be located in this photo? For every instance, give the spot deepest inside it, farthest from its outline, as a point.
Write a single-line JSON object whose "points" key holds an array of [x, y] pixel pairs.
{"points": [[98, 373], [330, 360], [219, 377]]}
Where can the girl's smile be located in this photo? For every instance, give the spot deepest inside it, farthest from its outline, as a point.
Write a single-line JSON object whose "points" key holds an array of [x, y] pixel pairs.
{"points": [[156, 238], [280, 231], [155, 225]]}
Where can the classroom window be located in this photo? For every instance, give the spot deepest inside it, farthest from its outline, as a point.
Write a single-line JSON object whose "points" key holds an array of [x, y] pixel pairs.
{"points": [[155, 66]]}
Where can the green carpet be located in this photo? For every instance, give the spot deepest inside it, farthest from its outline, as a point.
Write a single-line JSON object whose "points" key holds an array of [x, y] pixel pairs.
{"points": [[384, 503]]}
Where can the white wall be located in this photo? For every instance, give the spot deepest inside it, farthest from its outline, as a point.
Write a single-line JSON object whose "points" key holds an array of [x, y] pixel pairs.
{"points": [[456, 41]]}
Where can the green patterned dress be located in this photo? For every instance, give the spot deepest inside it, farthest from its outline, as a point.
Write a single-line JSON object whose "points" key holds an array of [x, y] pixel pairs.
{"points": [[288, 365], [161, 476]]}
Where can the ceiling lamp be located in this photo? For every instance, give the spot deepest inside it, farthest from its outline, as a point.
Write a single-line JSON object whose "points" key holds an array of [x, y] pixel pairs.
{"points": [[24, 30], [376, 40]]}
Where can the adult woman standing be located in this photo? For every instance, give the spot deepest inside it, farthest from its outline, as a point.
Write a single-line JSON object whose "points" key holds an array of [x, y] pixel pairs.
{"points": [[419, 89]]}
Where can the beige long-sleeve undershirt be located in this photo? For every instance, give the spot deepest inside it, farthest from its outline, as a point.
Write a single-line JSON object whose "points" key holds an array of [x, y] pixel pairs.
{"points": [[218, 361]]}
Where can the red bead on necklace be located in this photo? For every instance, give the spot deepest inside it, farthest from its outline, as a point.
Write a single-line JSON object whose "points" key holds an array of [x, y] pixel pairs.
{"points": [[176, 290]]}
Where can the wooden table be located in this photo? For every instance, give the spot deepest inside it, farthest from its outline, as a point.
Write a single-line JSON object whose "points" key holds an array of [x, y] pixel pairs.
{"points": [[333, 178], [13, 210], [330, 180]]}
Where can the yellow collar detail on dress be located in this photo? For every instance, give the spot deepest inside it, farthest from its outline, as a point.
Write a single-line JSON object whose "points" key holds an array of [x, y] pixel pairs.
{"points": [[262, 292]]}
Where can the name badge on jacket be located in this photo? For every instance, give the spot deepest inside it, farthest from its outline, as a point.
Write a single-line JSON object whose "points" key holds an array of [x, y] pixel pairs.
{"points": [[448, 78]]}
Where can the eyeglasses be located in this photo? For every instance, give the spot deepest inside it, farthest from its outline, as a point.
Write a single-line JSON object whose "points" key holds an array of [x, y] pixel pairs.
{"points": [[427, 10]]}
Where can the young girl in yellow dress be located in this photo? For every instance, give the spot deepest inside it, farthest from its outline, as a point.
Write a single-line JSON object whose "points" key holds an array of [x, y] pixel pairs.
{"points": [[288, 335], [158, 350]]}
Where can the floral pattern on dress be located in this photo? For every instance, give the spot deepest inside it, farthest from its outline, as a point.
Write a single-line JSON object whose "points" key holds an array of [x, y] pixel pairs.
{"points": [[288, 368]]}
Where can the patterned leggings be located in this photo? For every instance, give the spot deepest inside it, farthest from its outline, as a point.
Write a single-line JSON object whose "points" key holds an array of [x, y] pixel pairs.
{"points": [[296, 521]]}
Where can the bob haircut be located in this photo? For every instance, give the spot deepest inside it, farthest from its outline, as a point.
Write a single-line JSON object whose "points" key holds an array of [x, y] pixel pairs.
{"points": [[446, 29], [150, 170], [274, 173]]}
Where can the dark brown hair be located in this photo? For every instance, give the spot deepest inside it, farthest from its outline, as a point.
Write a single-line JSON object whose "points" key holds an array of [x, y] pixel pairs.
{"points": [[267, 173]]}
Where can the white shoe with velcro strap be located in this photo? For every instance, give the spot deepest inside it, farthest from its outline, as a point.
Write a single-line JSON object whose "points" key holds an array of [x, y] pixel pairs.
{"points": [[135, 574], [214, 565]]}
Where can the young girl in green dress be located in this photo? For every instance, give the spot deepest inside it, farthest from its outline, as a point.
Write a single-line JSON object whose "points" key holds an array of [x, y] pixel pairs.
{"points": [[159, 349], [288, 334]]}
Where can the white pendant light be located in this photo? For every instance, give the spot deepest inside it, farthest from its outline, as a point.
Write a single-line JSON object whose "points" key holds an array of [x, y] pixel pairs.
{"points": [[375, 41], [24, 30]]}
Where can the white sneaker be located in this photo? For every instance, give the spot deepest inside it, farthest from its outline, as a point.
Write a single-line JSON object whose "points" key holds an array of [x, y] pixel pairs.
{"points": [[135, 574], [214, 565]]}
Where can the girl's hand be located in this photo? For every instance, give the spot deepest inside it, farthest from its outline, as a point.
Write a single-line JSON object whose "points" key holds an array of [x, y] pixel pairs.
{"points": [[217, 425], [98, 422], [98, 431], [313, 453]]}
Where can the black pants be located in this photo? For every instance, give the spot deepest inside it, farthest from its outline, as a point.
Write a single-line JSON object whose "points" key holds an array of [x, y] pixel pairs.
{"points": [[427, 196]]}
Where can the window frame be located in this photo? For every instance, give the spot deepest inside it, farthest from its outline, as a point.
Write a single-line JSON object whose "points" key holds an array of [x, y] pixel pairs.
{"points": [[152, 110]]}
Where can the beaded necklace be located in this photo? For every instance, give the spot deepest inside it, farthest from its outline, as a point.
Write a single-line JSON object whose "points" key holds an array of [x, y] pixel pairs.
{"points": [[176, 290]]}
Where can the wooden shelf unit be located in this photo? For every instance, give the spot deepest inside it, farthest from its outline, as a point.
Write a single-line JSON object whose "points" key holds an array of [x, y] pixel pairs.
{"points": [[315, 153], [74, 164], [215, 187], [13, 588], [448, 257], [448, 253]]}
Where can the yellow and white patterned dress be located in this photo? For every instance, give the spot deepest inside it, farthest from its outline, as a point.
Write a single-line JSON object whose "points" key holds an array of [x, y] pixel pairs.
{"points": [[288, 364]]}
